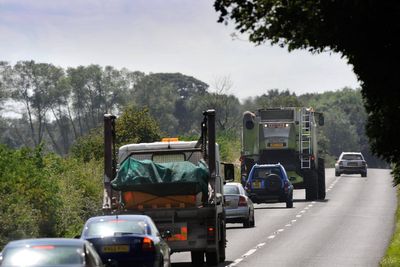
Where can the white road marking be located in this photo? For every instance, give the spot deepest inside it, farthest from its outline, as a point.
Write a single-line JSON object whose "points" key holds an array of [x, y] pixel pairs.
{"points": [[288, 225], [280, 230], [248, 253], [271, 237], [298, 216], [260, 245]]}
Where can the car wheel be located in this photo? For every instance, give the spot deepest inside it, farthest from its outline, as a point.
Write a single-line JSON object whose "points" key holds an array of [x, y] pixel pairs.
{"points": [[246, 222], [337, 173], [289, 202], [252, 221], [364, 174]]}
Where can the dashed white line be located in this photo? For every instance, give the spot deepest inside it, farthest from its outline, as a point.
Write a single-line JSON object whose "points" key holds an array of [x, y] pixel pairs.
{"points": [[248, 253]]}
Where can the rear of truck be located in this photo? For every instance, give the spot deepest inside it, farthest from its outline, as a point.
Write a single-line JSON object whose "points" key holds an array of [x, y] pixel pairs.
{"points": [[287, 136], [178, 184]]}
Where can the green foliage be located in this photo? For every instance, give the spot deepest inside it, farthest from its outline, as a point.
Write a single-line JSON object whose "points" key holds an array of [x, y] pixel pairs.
{"points": [[364, 32], [136, 126], [133, 126], [45, 195], [392, 256]]}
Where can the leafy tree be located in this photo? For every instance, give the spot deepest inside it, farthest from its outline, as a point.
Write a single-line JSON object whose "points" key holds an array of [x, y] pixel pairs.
{"points": [[160, 98], [133, 126], [365, 32]]}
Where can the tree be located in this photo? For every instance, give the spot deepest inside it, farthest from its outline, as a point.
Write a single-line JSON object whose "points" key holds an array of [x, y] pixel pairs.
{"points": [[133, 126], [364, 32]]}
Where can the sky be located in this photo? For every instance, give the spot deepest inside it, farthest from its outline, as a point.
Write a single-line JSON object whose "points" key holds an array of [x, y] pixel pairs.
{"points": [[161, 36]]}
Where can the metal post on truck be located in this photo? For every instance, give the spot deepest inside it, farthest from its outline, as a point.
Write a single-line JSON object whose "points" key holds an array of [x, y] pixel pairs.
{"points": [[109, 168], [210, 114]]}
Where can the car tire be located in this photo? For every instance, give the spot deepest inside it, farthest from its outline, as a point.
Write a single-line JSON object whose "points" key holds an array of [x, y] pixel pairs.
{"points": [[337, 173], [364, 174], [321, 179], [247, 222], [197, 258], [289, 202], [311, 182], [252, 221]]}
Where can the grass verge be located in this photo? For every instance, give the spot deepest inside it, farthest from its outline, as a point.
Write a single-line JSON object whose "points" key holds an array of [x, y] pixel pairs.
{"points": [[392, 257]]}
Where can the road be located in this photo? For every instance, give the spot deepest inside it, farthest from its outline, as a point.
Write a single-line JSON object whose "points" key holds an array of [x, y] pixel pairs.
{"points": [[352, 227]]}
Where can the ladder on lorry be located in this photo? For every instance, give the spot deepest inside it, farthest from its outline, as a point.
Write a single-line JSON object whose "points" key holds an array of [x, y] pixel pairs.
{"points": [[305, 138]]}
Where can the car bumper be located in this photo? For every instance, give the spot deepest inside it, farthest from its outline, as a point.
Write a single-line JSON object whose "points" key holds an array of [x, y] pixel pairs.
{"points": [[269, 197], [351, 170], [237, 215]]}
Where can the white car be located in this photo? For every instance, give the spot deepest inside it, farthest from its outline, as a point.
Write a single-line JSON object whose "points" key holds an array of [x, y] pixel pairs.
{"points": [[351, 163]]}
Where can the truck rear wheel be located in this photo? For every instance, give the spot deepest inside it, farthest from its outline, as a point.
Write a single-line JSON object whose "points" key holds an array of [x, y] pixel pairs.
{"points": [[222, 242], [321, 179], [212, 258], [311, 182], [197, 258]]}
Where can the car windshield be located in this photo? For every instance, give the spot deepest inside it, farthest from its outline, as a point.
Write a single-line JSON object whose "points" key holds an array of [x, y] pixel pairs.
{"points": [[231, 189], [264, 172], [352, 157], [43, 255], [117, 226]]}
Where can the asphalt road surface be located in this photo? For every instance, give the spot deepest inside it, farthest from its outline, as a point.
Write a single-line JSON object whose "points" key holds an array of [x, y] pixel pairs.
{"points": [[352, 227]]}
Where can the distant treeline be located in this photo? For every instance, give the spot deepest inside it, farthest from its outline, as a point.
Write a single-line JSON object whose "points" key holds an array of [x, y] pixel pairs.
{"points": [[58, 106]]}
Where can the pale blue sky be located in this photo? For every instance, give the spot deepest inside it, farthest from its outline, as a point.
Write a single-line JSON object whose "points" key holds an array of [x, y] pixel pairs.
{"points": [[160, 36]]}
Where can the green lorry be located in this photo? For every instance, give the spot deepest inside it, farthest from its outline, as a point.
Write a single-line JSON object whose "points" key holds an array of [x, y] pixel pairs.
{"points": [[286, 135]]}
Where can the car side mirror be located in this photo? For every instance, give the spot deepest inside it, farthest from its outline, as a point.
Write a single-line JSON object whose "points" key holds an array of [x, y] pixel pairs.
{"points": [[166, 234], [229, 172]]}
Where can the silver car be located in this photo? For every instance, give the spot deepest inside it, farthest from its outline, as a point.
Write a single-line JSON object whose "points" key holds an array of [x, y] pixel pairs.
{"points": [[238, 206], [351, 163]]}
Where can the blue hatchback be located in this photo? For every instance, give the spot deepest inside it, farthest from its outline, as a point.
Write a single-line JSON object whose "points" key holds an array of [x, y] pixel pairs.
{"points": [[127, 240], [269, 183]]}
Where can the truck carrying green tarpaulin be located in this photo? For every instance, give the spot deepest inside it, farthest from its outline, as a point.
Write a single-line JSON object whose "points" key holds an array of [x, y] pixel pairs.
{"points": [[162, 179]]}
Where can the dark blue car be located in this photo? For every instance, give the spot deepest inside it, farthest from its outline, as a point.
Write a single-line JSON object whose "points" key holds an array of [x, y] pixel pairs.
{"points": [[269, 183], [127, 240]]}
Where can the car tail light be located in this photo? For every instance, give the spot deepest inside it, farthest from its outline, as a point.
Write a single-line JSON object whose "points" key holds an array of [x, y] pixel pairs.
{"points": [[242, 201], [147, 244], [286, 186]]}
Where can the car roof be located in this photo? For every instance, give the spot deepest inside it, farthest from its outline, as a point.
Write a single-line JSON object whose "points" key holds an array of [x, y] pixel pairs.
{"points": [[121, 217], [46, 241], [267, 165], [233, 183]]}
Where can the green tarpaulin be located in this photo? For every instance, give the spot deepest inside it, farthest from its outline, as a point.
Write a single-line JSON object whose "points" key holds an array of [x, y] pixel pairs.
{"points": [[162, 179]]}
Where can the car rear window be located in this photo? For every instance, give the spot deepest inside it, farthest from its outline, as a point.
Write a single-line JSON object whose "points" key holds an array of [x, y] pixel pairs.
{"points": [[113, 227], [42, 255], [352, 157], [264, 172], [231, 189]]}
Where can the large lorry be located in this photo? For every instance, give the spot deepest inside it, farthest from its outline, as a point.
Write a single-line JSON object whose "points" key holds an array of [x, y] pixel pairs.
{"points": [[194, 218], [286, 135]]}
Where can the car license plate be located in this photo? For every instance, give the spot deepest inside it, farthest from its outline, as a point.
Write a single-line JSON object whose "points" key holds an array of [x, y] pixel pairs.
{"points": [[115, 249], [277, 145], [256, 184]]}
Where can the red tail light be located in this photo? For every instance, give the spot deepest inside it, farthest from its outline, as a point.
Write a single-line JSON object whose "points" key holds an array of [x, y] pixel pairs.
{"points": [[242, 201], [148, 244], [312, 157]]}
